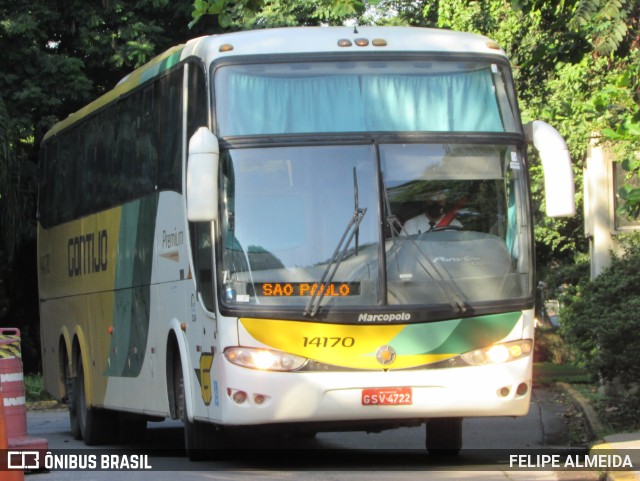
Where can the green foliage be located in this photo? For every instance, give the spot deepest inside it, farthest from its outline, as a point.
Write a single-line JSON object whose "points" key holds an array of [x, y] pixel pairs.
{"points": [[34, 389], [551, 347], [603, 21], [601, 320], [618, 111], [251, 14], [620, 410], [17, 190], [549, 373]]}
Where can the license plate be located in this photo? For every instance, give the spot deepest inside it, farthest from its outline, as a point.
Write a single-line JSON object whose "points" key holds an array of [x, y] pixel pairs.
{"points": [[387, 396]]}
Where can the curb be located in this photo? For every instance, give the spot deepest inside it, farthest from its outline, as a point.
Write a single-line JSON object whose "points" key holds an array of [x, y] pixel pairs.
{"points": [[596, 428], [595, 425]]}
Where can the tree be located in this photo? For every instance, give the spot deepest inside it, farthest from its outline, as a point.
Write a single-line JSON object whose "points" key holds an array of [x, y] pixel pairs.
{"points": [[251, 14]]}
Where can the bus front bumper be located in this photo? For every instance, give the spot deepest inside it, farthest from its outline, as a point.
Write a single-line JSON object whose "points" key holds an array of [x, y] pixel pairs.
{"points": [[258, 397]]}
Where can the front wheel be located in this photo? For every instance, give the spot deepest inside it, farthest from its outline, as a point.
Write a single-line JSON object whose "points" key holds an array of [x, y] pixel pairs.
{"points": [[199, 438], [444, 436]]}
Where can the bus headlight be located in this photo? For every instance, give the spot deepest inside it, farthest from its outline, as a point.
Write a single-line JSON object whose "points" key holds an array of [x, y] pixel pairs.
{"points": [[263, 359], [498, 353]]}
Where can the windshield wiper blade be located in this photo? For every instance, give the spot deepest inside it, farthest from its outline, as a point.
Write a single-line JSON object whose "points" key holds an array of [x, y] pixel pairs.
{"points": [[334, 262], [352, 230]]}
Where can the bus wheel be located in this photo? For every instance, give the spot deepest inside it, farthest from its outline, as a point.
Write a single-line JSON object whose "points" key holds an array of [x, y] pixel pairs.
{"points": [[444, 436], [96, 425], [198, 437], [71, 386]]}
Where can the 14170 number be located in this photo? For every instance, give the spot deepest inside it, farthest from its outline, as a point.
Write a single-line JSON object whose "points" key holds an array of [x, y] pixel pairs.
{"points": [[328, 341]]}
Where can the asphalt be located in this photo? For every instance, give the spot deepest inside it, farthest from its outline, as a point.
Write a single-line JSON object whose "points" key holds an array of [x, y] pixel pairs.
{"points": [[622, 444]]}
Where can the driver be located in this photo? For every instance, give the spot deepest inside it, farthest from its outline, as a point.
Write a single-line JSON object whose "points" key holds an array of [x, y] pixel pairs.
{"points": [[433, 217]]}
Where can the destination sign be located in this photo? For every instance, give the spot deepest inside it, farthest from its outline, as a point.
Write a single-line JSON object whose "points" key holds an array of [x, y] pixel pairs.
{"points": [[307, 289]]}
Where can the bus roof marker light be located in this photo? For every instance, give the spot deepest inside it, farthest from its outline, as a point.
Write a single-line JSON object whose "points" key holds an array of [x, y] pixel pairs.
{"points": [[225, 47], [344, 42], [379, 42], [361, 42], [493, 45]]}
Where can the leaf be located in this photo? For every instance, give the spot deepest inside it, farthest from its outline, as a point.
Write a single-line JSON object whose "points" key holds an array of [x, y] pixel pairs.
{"points": [[611, 134], [633, 195]]}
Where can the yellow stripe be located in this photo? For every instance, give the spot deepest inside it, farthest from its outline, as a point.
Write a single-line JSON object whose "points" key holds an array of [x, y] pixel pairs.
{"points": [[352, 346], [10, 350]]}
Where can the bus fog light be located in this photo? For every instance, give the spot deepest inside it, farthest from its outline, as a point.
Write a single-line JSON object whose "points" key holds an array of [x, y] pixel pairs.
{"points": [[522, 389], [259, 398], [504, 392], [239, 397]]}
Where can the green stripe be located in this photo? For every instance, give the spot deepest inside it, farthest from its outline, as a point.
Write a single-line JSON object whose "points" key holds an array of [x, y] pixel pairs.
{"points": [[164, 64], [133, 287], [455, 336]]}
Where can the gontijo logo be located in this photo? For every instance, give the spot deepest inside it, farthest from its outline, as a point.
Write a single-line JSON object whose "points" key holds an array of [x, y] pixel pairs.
{"points": [[390, 317]]}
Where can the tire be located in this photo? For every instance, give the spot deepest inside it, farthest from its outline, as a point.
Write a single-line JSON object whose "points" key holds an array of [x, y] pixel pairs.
{"points": [[199, 438], [71, 384], [96, 425], [444, 436]]}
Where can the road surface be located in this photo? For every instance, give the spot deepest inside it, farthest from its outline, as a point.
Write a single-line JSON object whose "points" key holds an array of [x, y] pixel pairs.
{"points": [[390, 455]]}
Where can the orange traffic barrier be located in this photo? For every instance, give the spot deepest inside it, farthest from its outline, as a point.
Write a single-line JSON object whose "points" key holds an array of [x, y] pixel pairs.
{"points": [[5, 474], [12, 399]]}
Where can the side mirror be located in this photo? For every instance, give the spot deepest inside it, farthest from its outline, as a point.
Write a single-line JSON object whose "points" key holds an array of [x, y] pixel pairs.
{"points": [[202, 176], [556, 163]]}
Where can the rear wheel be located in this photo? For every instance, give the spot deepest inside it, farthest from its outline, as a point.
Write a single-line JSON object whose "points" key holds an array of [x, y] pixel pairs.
{"points": [[96, 426], [444, 436], [71, 386]]}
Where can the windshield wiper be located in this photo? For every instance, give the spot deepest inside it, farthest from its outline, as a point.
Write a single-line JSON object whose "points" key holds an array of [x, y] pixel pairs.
{"points": [[352, 230]]}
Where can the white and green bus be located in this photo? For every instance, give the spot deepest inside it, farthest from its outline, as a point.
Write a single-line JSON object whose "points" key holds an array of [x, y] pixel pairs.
{"points": [[224, 238]]}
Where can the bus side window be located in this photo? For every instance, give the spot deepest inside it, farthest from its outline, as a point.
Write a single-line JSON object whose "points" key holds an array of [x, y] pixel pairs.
{"points": [[167, 106]]}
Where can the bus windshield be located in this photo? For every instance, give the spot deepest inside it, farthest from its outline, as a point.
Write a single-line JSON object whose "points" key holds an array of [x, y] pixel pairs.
{"points": [[437, 225], [363, 96]]}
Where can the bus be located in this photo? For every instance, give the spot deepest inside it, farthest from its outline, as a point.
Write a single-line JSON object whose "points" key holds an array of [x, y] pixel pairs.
{"points": [[223, 239]]}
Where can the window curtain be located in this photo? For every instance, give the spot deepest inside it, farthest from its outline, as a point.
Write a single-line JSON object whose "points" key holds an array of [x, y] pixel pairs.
{"points": [[272, 105], [463, 102]]}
